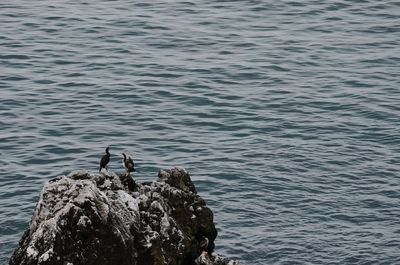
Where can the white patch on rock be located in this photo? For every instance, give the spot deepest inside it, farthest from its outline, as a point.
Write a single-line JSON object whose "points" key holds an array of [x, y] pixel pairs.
{"points": [[107, 183], [103, 208], [165, 226], [84, 221], [32, 252], [143, 198], [131, 203], [45, 256], [63, 222], [61, 188], [150, 237], [157, 205]]}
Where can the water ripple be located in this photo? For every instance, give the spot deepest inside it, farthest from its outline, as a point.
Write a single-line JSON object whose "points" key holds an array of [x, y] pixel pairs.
{"points": [[285, 113]]}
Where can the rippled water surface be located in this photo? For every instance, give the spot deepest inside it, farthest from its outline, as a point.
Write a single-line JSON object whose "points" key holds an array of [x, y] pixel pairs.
{"points": [[286, 113]]}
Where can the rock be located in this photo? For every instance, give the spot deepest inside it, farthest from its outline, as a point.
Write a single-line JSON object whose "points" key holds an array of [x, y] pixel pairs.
{"points": [[206, 259], [105, 219]]}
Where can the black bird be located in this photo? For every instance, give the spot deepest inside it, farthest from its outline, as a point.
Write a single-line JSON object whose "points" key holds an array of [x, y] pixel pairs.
{"points": [[128, 164], [104, 160]]}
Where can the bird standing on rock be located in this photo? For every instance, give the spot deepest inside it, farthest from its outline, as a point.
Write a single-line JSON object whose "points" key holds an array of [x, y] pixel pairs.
{"points": [[104, 160], [204, 244], [128, 164]]}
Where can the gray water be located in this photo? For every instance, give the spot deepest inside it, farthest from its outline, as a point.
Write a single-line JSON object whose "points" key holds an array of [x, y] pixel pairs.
{"points": [[286, 113]]}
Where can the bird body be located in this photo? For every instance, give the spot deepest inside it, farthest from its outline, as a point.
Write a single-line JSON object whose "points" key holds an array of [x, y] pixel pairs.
{"points": [[204, 243], [104, 160], [128, 164], [204, 246]]}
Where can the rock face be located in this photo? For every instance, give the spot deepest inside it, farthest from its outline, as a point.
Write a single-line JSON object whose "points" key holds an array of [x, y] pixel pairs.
{"points": [[106, 219]]}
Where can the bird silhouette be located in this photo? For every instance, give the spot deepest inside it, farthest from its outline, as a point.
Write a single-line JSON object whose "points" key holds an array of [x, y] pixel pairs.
{"points": [[104, 160]]}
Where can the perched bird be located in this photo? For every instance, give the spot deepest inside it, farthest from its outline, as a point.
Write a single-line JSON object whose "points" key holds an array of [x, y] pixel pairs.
{"points": [[128, 164], [104, 160], [204, 244]]}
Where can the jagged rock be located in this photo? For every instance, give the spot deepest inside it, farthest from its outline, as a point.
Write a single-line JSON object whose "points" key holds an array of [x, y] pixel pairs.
{"points": [[206, 259], [106, 219]]}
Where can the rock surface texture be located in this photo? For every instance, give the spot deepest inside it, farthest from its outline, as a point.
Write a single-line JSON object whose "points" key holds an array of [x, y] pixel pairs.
{"points": [[106, 219]]}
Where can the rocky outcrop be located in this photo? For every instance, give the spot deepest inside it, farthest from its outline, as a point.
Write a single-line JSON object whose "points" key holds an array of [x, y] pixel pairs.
{"points": [[207, 259], [105, 219]]}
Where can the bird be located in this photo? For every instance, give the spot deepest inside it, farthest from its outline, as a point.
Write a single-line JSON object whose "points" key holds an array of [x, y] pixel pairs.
{"points": [[128, 164], [204, 244], [105, 159]]}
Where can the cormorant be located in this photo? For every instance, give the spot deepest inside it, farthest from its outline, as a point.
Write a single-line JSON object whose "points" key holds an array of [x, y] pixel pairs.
{"points": [[128, 164], [104, 160]]}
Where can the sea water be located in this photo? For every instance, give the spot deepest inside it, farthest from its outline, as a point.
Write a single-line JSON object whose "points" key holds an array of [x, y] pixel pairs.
{"points": [[286, 114]]}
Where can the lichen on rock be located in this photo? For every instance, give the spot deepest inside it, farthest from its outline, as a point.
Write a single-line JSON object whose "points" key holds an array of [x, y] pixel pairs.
{"points": [[106, 219]]}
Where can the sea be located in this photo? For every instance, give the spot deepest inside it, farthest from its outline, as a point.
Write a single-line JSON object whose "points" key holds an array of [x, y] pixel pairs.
{"points": [[286, 113]]}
